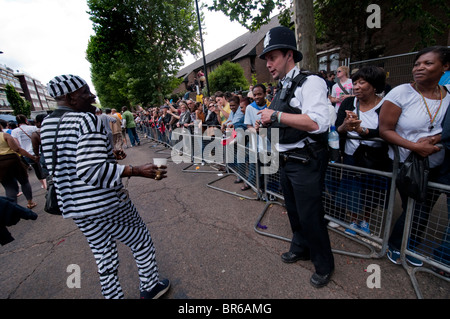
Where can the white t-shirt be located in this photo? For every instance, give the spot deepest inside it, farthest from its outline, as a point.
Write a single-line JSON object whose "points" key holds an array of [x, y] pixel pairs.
{"points": [[24, 139], [414, 120], [250, 118], [336, 91], [251, 115]]}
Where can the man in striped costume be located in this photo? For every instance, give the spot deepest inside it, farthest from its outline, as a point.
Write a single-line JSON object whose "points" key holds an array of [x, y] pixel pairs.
{"points": [[89, 187]]}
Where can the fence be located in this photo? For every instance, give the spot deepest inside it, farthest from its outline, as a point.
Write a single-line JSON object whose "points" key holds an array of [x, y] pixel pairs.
{"points": [[397, 67], [350, 189], [426, 235], [347, 188]]}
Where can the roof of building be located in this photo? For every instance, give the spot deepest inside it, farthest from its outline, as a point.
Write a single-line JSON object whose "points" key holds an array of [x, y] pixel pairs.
{"points": [[238, 48]]}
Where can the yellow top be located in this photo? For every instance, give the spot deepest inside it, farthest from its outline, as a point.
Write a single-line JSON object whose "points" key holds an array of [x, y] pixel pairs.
{"points": [[4, 146], [227, 109]]}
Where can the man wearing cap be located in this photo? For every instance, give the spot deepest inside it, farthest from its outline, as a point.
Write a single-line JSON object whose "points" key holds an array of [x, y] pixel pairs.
{"points": [[89, 186], [300, 113]]}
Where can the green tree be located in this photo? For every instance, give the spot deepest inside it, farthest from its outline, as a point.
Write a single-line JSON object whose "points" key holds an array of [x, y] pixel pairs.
{"points": [[343, 23], [431, 18], [347, 28], [137, 48], [228, 77], [19, 105]]}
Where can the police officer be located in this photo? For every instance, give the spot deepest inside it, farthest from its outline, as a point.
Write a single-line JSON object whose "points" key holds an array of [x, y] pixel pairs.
{"points": [[300, 113]]}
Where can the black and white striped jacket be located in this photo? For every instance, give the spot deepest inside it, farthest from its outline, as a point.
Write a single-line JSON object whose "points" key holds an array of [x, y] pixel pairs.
{"points": [[87, 176]]}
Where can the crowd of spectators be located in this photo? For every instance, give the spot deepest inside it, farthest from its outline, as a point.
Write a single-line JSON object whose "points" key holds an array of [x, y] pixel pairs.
{"points": [[358, 100]]}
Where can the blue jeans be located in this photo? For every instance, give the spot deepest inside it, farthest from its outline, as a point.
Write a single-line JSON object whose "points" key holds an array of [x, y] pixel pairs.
{"points": [[134, 138], [419, 219]]}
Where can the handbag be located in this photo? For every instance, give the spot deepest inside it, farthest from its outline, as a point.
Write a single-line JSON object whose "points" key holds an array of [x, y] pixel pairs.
{"points": [[51, 201], [412, 178], [372, 157]]}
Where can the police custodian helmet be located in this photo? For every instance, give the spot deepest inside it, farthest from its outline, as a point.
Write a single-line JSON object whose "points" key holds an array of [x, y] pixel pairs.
{"points": [[281, 38]]}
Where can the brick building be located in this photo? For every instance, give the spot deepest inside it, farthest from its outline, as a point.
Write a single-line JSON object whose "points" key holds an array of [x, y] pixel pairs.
{"points": [[244, 50]]}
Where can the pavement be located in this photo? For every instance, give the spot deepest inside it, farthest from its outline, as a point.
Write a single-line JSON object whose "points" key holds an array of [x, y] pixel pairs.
{"points": [[205, 244]]}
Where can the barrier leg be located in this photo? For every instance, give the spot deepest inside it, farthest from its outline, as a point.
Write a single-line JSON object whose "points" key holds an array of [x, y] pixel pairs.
{"points": [[210, 185]]}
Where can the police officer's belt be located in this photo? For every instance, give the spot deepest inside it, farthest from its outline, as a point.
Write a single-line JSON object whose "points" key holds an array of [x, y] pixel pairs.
{"points": [[302, 155]]}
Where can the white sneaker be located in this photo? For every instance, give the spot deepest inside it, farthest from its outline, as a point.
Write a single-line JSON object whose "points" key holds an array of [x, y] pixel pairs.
{"points": [[333, 224]]}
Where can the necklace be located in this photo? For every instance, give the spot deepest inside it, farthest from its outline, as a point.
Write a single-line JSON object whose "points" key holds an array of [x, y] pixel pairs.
{"points": [[432, 117]]}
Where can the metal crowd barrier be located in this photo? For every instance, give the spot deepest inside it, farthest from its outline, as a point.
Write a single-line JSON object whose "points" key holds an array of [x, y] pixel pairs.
{"points": [[194, 145], [159, 141], [367, 193], [426, 235], [340, 196], [241, 160]]}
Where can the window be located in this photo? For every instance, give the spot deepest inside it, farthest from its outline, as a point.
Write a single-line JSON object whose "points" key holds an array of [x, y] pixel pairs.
{"points": [[323, 63], [334, 61]]}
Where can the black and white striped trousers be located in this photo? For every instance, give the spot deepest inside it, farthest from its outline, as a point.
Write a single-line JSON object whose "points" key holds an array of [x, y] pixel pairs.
{"points": [[125, 225]]}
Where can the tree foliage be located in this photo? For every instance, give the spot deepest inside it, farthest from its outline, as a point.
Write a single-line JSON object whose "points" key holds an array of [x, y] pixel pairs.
{"points": [[227, 77], [431, 18], [137, 48], [343, 23], [252, 14], [18, 105], [347, 27]]}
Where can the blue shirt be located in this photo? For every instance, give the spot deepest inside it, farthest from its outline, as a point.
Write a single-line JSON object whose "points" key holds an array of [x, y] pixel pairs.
{"points": [[445, 79], [237, 119]]}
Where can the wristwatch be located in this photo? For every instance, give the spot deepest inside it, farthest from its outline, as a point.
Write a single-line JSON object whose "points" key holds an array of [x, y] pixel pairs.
{"points": [[274, 117]]}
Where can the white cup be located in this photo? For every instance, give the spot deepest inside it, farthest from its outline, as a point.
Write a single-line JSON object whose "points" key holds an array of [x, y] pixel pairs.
{"points": [[160, 161]]}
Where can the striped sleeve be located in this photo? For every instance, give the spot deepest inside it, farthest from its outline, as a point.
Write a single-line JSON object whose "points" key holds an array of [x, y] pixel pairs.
{"points": [[86, 176], [93, 161]]}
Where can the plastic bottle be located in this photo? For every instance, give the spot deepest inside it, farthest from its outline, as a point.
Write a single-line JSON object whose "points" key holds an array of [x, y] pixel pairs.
{"points": [[333, 143]]}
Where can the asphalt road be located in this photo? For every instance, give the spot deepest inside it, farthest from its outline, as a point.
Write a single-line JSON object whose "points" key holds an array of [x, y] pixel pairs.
{"points": [[205, 243]]}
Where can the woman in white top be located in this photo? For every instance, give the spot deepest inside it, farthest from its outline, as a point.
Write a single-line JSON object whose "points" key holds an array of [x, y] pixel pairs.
{"points": [[411, 118], [358, 117], [23, 135], [343, 88]]}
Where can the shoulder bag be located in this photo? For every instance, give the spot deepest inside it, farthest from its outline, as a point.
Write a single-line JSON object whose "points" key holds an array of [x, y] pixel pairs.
{"points": [[51, 202], [342, 88], [371, 157]]}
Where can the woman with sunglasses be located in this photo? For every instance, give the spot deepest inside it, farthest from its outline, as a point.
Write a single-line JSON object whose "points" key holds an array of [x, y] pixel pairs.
{"points": [[343, 87]]}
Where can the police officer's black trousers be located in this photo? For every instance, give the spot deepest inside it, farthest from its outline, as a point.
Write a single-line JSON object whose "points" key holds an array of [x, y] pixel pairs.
{"points": [[302, 186]]}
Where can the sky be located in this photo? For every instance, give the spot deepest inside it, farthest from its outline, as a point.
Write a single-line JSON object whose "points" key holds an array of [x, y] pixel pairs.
{"points": [[46, 38]]}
